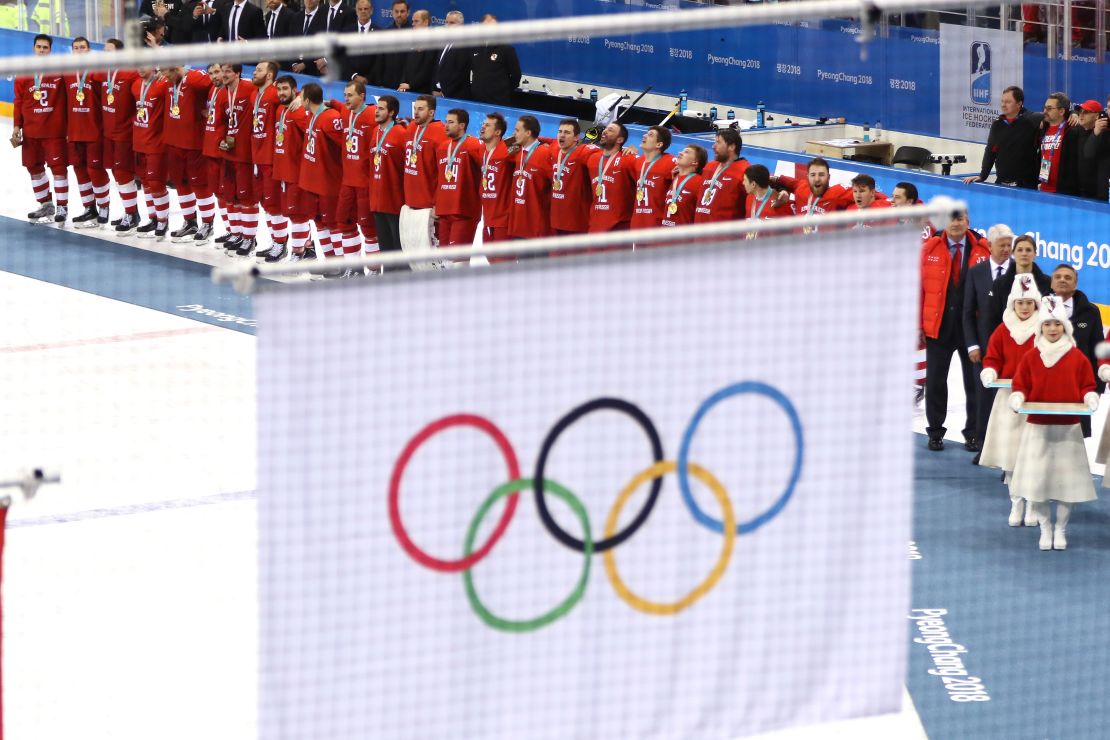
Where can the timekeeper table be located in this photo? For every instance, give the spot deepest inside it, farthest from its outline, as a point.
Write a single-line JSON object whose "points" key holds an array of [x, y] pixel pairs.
{"points": [[883, 151]]}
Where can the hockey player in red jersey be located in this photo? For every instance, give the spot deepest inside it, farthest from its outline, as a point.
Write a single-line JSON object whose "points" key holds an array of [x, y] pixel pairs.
{"points": [[353, 207], [496, 183], [265, 189], [238, 169], [530, 200], [571, 187], [322, 166], [85, 149], [458, 199], [184, 136], [117, 112], [722, 194], [288, 152], [150, 152], [39, 115], [653, 178]]}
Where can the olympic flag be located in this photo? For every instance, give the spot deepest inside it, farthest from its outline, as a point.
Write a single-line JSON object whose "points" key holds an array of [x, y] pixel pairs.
{"points": [[661, 494]]}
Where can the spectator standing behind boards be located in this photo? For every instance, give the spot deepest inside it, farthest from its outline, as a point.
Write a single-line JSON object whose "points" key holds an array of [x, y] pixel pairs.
{"points": [[198, 23], [496, 71], [945, 261], [1084, 315], [1079, 170], [170, 12], [452, 73], [240, 21], [308, 22], [391, 66], [1053, 145], [361, 67], [1011, 148], [978, 326], [1097, 151], [420, 64], [278, 19]]}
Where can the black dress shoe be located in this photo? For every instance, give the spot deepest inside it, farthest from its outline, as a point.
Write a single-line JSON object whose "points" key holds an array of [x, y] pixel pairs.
{"points": [[936, 445], [975, 460], [971, 444]]}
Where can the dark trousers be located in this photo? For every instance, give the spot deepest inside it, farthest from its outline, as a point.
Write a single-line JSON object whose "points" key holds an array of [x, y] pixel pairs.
{"points": [[938, 358], [389, 235], [984, 402]]}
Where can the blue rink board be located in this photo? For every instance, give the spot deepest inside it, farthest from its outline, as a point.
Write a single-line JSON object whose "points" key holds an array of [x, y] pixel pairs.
{"points": [[118, 271], [1036, 625]]}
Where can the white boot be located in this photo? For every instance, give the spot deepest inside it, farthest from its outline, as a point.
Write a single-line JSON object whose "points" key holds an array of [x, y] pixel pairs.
{"points": [[1031, 514], [1042, 514], [1017, 511], [1063, 513]]}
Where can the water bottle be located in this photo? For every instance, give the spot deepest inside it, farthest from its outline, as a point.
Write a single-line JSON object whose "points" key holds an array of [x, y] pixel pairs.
{"points": [[713, 113], [760, 115], [593, 95], [878, 129], [866, 131], [731, 114], [682, 100]]}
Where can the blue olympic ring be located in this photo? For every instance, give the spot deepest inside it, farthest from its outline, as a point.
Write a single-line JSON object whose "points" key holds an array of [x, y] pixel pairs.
{"points": [[748, 386]]}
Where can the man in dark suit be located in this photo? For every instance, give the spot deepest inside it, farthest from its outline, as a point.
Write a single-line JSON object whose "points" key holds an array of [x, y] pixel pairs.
{"points": [[978, 317], [1086, 322], [198, 24], [278, 19], [240, 20], [361, 67], [308, 22], [496, 71], [336, 14], [391, 66], [420, 64], [452, 76]]}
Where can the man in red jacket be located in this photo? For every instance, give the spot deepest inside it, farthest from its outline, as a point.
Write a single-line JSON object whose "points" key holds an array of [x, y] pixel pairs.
{"points": [[496, 184], [613, 179], [149, 91], [945, 261], [530, 201], [238, 167], [571, 194], [653, 178], [118, 108], [686, 180], [40, 128], [322, 167], [458, 200], [425, 134], [353, 207], [387, 172], [265, 188], [85, 137], [288, 152], [184, 133], [722, 195], [215, 130]]}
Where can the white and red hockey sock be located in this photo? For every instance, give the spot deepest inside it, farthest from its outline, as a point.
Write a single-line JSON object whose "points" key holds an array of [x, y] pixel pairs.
{"points": [[279, 228], [101, 191], [187, 202], [248, 216], [40, 185], [148, 201], [61, 189], [128, 196], [325, 241], [352, 243], [84, 186], [206, 207], [234, 226], [162, 206], [301, 234]]}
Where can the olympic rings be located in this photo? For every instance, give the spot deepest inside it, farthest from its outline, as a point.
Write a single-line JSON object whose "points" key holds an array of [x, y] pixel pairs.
{"points": [[541, 486], [568, 603], [651, 607], [597, 404], [450, 566], [684, 452]]}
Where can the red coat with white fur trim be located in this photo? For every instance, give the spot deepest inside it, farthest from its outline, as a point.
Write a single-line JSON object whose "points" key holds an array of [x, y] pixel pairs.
{"points": [[936, 273], [1068, 381], [1004, 354]]}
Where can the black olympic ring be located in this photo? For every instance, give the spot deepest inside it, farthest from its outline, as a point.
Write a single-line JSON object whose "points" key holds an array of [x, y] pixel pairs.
{"points": [[615, 404]]}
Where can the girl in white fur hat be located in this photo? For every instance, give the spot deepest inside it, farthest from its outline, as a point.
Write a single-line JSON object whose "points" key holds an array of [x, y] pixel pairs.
{"points": [[1102, 352], [1009, 343], [1052, 459]]}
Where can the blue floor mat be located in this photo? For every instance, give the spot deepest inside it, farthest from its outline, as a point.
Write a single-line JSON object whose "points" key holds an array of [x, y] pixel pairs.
{"points": [[1035, 625]]}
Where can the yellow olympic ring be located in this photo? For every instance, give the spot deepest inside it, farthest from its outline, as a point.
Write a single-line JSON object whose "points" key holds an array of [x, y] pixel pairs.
{"points": [[651, 607]]}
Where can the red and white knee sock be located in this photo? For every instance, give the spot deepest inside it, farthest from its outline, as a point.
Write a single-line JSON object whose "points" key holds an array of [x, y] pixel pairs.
{"points": [[128, 195], [162, 207], [101, 192], [61, 187], [300, 236], [234, 227], [148, 201], [187, 202], [206, 207], [40, 185], [279, 228], [352, 242], [248, 217], [84, 186], [326, 245]]}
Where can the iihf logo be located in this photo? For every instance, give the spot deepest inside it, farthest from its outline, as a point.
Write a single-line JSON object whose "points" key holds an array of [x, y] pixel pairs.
{"points": [[981, 73]]}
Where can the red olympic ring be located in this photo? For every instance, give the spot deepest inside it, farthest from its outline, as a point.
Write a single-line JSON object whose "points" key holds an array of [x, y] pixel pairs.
{"points": [[450, 566]]}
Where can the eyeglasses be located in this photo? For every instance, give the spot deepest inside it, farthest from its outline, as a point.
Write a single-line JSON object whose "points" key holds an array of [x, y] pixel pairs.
{"points": [[1052, 107]]}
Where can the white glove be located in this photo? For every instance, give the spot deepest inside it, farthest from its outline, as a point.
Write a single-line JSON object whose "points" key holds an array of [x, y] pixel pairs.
{"points": [[1017, 400], [1104, 373], [989, 375], [1091, 399], [1102, 350]]}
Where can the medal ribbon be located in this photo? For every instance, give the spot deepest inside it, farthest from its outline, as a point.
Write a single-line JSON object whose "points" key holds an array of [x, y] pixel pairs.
{"points": [[382, 133], [531, 150], [452, 152], [717, 175], [485, 162], [561, 164], [81, 82], [38, 83], [762, 205], [143, 90], [176, 95], [351, 120], [258, 101], [112, 80], [676, 189], [419, 137], [645, 170], [231, 102], [312, 122], [601, 173]]}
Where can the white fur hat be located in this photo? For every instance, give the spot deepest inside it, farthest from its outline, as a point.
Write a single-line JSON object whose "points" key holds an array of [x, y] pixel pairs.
{"points": [[1024, 288], [1052, 309]]}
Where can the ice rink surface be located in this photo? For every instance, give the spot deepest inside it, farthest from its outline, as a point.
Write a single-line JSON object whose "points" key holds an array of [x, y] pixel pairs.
{"points": [[130, 588]]}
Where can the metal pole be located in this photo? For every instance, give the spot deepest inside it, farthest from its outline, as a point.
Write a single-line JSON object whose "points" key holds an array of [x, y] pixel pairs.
{"points": [[1100, 31], [1050, 29], [1067, 33]]}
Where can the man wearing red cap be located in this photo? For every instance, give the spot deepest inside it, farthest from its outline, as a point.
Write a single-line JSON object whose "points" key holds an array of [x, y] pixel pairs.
{"points": [[1080, 171], [1097, 149]]}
